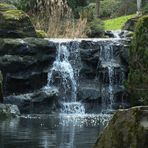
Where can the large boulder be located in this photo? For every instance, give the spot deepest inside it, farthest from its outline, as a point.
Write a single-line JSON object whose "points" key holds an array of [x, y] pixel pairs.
{"points": [[127, 129], [15, 23], [8, 110]]}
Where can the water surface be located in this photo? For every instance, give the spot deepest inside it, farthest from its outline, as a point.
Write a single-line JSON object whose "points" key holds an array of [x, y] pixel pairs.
{"points": [[50, 131]]}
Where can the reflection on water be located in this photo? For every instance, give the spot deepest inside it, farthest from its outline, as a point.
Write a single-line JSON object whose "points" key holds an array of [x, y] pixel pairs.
{"points": [[54, 131]]}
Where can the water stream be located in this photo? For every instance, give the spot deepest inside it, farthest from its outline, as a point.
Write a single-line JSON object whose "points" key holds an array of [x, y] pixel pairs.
{"points": [[72, 127]]}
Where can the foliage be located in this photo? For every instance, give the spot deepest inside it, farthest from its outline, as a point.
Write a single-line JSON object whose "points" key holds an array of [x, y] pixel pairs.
{"points": [[145, 9], [96, 28], [109, 8], [88, 12], [116, 23], [76, 6], [116, 8], [41, 34], [138, 64]]}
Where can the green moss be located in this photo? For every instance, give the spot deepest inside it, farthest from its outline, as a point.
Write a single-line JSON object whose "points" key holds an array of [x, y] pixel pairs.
{"points": [[138, 65], [14, 15], [124, 130], [5, 7], [41, 34], [15, 23]]}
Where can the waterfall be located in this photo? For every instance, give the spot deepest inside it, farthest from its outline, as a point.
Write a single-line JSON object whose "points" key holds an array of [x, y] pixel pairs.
{"points": [[109, 62], [63, 68], [66, 72]]}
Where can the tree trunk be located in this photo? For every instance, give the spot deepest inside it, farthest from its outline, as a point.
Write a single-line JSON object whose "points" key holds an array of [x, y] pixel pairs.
{"points": [[97, 8], [139, 5]]}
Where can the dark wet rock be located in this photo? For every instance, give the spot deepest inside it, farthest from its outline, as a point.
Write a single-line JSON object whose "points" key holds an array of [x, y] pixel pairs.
{"points": [[116, 77], [130, 24], [15, 23], [126, 34], [88, 93], [89, 52], [41, 101], [8, 110], [109, 34], [25, 63], [127, 128]]}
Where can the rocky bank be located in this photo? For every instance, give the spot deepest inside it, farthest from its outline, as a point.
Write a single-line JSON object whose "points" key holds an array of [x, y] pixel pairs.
{"points": [[127, 129]]}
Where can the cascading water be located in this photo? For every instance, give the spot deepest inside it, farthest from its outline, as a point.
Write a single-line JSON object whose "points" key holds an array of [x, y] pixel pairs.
{"points": [[63, 70], [109, 62]]}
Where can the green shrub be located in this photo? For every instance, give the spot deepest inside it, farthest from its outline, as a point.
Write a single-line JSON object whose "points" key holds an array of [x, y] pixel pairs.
{"points": [[145, 9], [96, 28], [138, 64], [88, 12]]}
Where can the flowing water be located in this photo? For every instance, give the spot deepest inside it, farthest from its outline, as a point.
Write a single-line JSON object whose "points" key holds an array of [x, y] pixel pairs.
{"points": [[67, 72], [72, 127], [108, 61]]}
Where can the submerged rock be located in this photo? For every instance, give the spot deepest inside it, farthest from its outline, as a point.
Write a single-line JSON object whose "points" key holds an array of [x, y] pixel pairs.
{"points": [[127, 129], [15, 23], [41, 101], [8, 110]]}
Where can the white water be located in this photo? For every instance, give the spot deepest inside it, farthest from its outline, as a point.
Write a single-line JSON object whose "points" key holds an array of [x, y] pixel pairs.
{"points": [[108, 61], [64, 68]]}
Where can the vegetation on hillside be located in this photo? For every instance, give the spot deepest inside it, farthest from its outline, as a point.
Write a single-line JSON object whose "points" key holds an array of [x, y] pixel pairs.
{"points": [[77, 18], [116, 23]]}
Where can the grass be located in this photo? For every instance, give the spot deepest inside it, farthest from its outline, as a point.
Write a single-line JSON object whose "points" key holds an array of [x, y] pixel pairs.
{"points": [[116, 23]]}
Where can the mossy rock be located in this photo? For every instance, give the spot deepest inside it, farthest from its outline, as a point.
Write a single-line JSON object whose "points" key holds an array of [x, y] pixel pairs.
{"points": [[15, 23], [127, 129], [131, 24], [6, 7], [41, 34]]}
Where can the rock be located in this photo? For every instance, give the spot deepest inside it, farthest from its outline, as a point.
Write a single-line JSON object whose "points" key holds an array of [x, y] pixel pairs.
{"points": [[109, 34], [15, 23], [1, 87], [128, 128], [41, 34], [8, 110], [41, 101], [126, 34], [25, 63], [130, 24], [88, 93]]}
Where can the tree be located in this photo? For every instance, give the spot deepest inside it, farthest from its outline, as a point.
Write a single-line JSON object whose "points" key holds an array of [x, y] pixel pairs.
{"points": [[97, 8], [139, 5]]}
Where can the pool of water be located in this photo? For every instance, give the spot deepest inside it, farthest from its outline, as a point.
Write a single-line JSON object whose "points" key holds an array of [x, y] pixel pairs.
{"points": [[51, 131]]}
